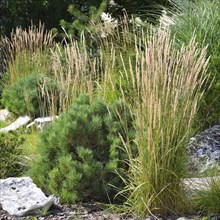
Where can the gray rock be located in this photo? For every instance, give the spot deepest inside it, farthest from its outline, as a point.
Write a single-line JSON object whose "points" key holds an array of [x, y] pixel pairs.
{"points": [[19, 196], [21, 121], [204, 151]]}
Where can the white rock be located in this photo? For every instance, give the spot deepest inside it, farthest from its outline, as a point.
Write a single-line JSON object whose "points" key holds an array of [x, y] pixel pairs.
{"points": [[183, 218], [21, 121], [41, 122], [4, 113], [166, 20], [18, 196]]}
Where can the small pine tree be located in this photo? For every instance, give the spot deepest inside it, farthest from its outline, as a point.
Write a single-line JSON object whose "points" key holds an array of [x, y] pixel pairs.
{"points": [[83, 16], [81, 151]]}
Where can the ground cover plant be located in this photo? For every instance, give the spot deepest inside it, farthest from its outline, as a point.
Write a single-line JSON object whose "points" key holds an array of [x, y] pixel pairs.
{"points": [[208, 200]]}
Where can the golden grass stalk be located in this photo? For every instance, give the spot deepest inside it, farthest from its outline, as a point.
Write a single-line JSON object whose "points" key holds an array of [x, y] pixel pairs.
{"points": [[23, 45], [167, 86], [74, 71]]}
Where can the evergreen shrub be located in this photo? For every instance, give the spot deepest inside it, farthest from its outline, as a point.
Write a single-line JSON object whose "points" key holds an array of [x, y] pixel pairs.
{"points": [[10, 154], [26, 96], [80, 152]]}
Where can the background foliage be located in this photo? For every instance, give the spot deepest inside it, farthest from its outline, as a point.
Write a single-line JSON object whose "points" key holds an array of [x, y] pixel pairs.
{"points": [[73, 14], [202, 19]]}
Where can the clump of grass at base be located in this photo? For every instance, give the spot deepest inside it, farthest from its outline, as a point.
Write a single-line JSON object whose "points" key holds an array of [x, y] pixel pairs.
{"points": [[169, 84], [3, 124], [29, 145], [207, 201]]}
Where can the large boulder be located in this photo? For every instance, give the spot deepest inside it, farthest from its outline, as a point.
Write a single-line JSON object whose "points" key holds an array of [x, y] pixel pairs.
{"points": [[204, 151], [19, 196]]}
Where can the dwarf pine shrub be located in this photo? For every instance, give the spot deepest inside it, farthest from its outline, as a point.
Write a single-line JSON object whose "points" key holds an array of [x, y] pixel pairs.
{"points": [[81, 152], [26, 96]]}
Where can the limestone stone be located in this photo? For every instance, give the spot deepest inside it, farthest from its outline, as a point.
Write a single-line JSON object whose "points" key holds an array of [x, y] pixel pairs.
{"points": [[19, 196], [21, 121], [41, 122], [203, 183]]}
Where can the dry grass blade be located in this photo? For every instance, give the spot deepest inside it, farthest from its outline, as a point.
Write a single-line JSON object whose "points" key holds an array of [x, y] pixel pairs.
{"points": [[33, 39]]}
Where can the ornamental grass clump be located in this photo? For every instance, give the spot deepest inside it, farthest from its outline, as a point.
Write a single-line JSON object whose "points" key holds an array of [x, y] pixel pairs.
{"points": [[169, 84], [74, 72], [26, 50]]}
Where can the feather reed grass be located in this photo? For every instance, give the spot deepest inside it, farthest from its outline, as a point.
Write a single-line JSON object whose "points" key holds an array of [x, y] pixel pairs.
{"points": [[25, 48], [167, 86]]}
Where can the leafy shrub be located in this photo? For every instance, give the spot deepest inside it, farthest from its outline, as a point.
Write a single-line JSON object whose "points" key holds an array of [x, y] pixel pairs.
{"points": [[26, 96], [79, 154], [10, 154]]}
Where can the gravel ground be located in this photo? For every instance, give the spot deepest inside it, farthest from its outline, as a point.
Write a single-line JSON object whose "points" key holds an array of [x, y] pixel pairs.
{"points": [[67, 212], [90, 212]]}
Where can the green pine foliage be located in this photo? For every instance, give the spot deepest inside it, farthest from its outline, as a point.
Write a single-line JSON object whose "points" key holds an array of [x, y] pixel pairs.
{"points": [[26, 96], [82, 16], [81, 152]]}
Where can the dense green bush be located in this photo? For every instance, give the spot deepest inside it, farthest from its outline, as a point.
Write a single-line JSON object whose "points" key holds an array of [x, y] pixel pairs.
{"points": [[80, 152], [10, 154], [27, 96]]}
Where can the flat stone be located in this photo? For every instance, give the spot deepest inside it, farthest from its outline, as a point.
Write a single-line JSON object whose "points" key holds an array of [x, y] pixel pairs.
{"points": [[19, 196], [21, 121], [41, 122], [199, 183]]}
